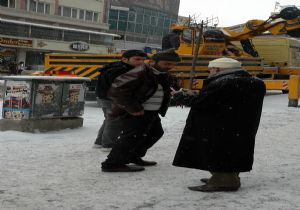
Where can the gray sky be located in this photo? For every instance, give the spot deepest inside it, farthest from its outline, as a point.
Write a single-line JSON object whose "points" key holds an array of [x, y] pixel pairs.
{"points": [[231, 12]]}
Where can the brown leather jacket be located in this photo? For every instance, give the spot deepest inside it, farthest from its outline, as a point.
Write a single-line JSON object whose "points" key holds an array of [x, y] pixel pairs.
{"points": [[130, 90]]}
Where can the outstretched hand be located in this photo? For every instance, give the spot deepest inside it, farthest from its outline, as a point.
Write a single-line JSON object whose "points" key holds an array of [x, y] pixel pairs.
{"points": [[174, 92]]}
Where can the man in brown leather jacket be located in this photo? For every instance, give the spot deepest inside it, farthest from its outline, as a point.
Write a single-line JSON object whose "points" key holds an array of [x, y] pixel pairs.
{"points": [[138, 96], [110, 128]]}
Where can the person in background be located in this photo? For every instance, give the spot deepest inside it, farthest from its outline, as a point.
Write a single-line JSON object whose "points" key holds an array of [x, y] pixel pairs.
{"points": [[13, 69], [21, 67], [171, 40]]}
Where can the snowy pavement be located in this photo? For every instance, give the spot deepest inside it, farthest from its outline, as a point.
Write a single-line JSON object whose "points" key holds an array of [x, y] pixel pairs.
{"points": [[61, 170]]}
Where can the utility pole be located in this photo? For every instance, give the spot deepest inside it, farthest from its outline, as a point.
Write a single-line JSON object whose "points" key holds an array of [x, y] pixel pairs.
{"points": [[196, 52], [200, 28]]}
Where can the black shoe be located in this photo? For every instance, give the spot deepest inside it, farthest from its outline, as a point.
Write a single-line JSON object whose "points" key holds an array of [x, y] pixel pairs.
{"points": [[210, 188], [123, 168], [204, 180], [141, 162]]}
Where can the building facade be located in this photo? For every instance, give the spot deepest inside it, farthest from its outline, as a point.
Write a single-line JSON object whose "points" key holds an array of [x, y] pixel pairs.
{"points": [[31, 28], [141, 23]]}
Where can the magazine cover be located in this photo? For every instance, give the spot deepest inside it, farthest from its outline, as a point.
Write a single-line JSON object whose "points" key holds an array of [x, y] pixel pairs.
{"points": [[16, 103], [47, 100], [73, 100]]}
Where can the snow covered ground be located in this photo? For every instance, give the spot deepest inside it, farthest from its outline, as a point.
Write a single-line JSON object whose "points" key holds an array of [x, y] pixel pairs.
{"points": [[61, 170]]}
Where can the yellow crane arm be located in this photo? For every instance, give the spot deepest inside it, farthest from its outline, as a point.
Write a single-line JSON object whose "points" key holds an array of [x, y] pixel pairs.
{"points": [[286, 22]]}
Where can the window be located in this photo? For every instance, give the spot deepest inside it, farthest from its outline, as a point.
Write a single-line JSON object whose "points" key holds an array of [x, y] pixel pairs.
{"points": [[123, 15], [130, 27], [47, 8], [89, 15], [81, 14], [159, 31], [100, 39], [153, 21], [76, 36], [160, 21], [8, 3], [74, 13], [46, 33], [146, 19], [32, 6], [139, 18], [95, 17], [66, 11], [167, 23], [139, 9], [138, 28], [187, 35], [40, 7], [34, 58], [145, 29], [162, 15], [12, 3], [147, 11], [122, 26], [154, 13], [4, 3], [114, 14], [12, 29], [151, 30], [108, 40], [113, 24], [131, 16]]}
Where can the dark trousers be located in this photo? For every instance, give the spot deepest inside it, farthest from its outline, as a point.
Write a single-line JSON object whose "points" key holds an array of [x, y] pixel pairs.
{"points": [[110, 128], [137, 136]]}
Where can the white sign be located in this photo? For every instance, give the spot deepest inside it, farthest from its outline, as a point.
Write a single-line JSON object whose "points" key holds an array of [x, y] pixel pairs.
{"points": [[80, 46]]}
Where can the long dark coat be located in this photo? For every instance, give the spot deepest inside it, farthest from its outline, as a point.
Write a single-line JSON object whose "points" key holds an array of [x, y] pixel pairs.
{"points": [[221, 127]]}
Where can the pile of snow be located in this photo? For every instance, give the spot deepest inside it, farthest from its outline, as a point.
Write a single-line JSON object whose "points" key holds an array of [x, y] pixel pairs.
{"points": [[61, 170]]}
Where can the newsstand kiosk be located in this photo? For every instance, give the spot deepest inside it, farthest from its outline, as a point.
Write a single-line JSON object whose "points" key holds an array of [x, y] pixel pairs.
{"points": [[42, 103]]}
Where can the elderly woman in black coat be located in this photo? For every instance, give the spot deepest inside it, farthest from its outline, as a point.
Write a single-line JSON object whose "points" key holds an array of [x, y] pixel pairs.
{"points": [[220, 130]]}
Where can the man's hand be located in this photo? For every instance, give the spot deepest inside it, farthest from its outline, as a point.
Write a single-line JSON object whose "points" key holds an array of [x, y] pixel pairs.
{"points": [[140, 113], [174, 92]]}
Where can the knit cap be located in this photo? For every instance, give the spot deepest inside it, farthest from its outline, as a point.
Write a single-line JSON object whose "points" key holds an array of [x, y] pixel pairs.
{"points": [[224, 63]]}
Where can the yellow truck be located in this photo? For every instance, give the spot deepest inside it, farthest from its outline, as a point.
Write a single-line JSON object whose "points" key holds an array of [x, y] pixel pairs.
{"points": [[270, 57]]}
